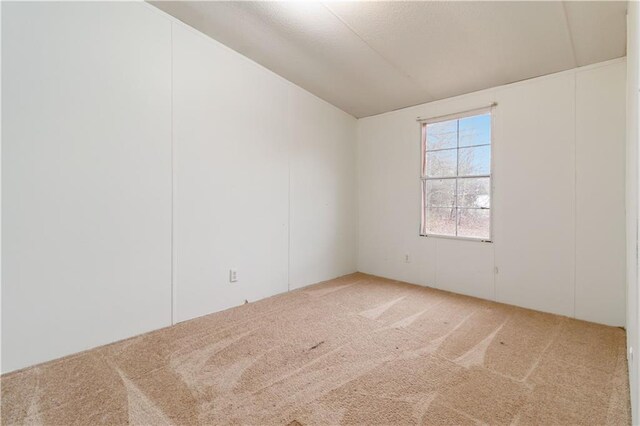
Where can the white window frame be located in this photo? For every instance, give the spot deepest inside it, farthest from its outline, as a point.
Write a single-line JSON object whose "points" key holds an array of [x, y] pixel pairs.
{"points": [[423, 179]]}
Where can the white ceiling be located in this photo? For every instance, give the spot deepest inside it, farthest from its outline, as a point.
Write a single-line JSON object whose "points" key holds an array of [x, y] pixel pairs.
{"points": [[371, 57]]}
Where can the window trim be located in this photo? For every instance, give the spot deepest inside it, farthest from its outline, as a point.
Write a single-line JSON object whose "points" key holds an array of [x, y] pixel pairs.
{"points": [[423, 122]]}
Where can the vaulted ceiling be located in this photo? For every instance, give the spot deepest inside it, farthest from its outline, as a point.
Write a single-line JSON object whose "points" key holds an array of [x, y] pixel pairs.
{"points": [[371, 57]]}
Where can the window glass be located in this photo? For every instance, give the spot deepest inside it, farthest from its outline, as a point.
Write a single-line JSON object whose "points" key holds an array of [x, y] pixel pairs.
{"points": [[456, 177], [475, 130], [441, 192], [442, 135], [442, 163]]}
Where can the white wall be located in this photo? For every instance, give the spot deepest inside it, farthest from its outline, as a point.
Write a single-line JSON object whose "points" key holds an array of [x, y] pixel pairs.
{"points": [[600, 195], [632, 187], [558, 206], [264, 180], [86, 177], [323, 187], [231, 168], [97, 97]]}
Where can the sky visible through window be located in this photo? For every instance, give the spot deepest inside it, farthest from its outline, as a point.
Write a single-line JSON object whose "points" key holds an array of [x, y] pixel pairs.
{"points": [[456, 177]]}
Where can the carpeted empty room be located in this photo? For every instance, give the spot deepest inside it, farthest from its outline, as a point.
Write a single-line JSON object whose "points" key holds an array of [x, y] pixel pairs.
{"points": [[307, 213]]}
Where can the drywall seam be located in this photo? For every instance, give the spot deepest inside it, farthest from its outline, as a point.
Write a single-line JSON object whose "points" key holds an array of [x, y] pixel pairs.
{"points": [[570, 34], [174, 253], [291, 147], [575, 189], [393, 65]]}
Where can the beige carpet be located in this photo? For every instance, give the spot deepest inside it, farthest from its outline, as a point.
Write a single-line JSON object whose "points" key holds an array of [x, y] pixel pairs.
{"points": [[355, 350]]}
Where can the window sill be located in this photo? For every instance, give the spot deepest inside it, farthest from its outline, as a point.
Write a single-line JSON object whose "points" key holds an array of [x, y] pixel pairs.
{"points": [[451, 237]]}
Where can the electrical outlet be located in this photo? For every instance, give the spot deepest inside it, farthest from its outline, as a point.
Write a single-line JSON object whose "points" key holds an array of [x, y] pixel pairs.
{"points": [[233, 275], [407, 258], [630, 354]]}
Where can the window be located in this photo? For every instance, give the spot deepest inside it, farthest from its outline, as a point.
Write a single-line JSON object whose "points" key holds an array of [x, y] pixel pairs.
{"points": [[456, 176]]}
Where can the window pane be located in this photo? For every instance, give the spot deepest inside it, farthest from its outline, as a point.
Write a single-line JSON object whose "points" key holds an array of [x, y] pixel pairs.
{"points": [[441, 193], [442, 135], [441, 221], [474, 161], [474, 192], [474, 223], [442, 163], [475, 130]]}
